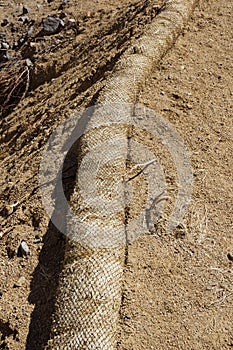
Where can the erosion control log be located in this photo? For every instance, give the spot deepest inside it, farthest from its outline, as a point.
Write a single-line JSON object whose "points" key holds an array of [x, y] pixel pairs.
{"points": [[89, 293]]}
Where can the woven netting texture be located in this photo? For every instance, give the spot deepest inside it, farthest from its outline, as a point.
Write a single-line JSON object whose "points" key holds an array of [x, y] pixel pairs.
{"points": [[89, 299], [89, 296], [89, 293]]}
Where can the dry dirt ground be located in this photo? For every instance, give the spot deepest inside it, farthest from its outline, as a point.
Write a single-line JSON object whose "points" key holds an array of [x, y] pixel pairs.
{"points": [[178, 289]]}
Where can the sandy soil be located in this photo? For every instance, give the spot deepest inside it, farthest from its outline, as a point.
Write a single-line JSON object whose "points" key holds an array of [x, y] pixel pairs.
{"points": [[178, 289]]}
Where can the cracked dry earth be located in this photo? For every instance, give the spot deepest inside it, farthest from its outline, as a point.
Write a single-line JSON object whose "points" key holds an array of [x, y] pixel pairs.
{"points": [[178, 288]]}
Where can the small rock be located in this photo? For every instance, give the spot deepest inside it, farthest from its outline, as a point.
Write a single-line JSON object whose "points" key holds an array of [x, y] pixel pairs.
{"points": [[30, 31], [62, 15], [23, 249], [38, 240], [20, 282], [51, 25], [29, 62], [24, 19], [26, 10], [5, 46], [90, 14], [2, 35], [6, 56], [71, 22], [5, 22], [1, 293], [21, 41], [62, 24]]}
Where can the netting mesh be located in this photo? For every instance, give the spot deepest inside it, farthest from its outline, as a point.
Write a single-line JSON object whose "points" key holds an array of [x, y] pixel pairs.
{"points": [[89, 293], [89, 299]]}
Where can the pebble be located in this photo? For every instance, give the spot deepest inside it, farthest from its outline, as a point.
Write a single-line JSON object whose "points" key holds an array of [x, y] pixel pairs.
{"points": [[5, 46], [29, 62], [2, 35], [5, 22], [51, 25], [38, 240], [30, 31], [6, 56], [23, 249], [71, 22], [21, 41], [24, 19], [26, 10], [20, 282], [62, 24], [63, 15]]}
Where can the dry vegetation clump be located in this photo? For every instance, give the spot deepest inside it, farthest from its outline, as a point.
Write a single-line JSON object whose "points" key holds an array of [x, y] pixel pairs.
{"points": [[14, 84]]}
